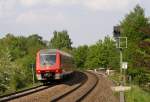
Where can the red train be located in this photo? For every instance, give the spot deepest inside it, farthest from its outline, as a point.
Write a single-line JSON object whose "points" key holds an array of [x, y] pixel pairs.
{"points": [[53, 64]]}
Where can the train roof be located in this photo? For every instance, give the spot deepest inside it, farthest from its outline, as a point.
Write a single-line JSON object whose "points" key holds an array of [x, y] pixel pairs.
{"points": [[53, 51]]}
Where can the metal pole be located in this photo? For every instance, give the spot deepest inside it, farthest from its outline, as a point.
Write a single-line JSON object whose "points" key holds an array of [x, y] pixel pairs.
{"points": [[122, 96], [124, 77], [33, 74], [121, 80], [121, 65]]}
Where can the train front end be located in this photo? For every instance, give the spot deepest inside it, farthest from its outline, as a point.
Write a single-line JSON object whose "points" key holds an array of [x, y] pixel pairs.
{"points": [[48, 65]]}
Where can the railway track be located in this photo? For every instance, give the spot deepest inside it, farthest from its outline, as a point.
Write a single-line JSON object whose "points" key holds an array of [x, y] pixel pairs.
{"points": [[22, 93], [72, 90], [79, 92]]}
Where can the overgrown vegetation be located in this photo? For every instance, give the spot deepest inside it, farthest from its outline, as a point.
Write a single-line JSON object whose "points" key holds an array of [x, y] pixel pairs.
{"points": [[103, 54], [136, 94], [136, 28], [16, 55]]}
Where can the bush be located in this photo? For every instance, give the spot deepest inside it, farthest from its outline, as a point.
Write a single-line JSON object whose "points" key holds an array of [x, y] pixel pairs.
{"points": [[139, 76]]}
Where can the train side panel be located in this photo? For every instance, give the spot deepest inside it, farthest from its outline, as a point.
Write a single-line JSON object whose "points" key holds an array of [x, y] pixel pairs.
{"points": [[67, 64]]}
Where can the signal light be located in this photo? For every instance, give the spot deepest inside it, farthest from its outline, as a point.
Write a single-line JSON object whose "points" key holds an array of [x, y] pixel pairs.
{"points": [[117, 32]]}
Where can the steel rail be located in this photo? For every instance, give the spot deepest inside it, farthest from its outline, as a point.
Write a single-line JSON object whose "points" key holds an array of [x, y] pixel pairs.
{"points": [[81, 97], [23, 93]]}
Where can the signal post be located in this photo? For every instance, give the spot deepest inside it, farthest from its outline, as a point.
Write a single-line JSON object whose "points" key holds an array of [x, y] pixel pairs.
{"points": [[121, 43]]}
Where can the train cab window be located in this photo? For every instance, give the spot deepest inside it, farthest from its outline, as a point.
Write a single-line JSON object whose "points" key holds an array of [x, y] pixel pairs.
{"points": [[47, 59]]}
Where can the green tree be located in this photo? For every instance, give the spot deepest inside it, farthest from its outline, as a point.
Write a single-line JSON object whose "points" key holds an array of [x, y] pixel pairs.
{"points": [[135, 27], [92, 60], [60, 40], [102, 54], [34, 43], [110, 54], [131, 26], [80, 54], [16, 55], [6, 70], [16, 45]]}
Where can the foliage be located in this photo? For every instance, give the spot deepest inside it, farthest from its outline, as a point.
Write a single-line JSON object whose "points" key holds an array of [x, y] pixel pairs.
{"points": [[80, 54], [6, 69], [10, 73], [131, 28], [60, 40], [135, 27], [139, 76], [16, 55], [136, 94], [102, 54]]}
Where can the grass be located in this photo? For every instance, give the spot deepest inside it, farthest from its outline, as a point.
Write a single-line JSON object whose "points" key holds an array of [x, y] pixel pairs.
{"points": [[136, 94], [115, 77]]}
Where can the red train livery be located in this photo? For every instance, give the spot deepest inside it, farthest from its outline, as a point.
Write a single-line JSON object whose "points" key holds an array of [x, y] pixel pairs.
{"points": [[53, 64]]}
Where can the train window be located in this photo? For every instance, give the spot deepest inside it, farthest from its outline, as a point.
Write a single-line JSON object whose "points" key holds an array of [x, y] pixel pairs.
{"points": [[47, 59]]}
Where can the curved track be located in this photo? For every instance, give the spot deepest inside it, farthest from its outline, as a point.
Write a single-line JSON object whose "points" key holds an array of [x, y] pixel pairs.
{"points": [[74, 88], [79, 92]]}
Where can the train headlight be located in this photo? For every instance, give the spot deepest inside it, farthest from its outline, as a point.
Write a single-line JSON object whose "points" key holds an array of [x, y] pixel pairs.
{"points": [[57, 70], [38, 71]]}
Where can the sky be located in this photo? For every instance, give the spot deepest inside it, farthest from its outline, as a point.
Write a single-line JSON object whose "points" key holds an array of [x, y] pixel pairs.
{"points": [[86, 21]]}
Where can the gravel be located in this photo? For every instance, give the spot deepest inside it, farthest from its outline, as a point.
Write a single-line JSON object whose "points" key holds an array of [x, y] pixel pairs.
{"points": [[45, 95], [103, 92]]}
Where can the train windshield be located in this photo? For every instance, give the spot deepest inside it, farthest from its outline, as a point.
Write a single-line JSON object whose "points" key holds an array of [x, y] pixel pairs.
{"points": [[47, 59]]}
